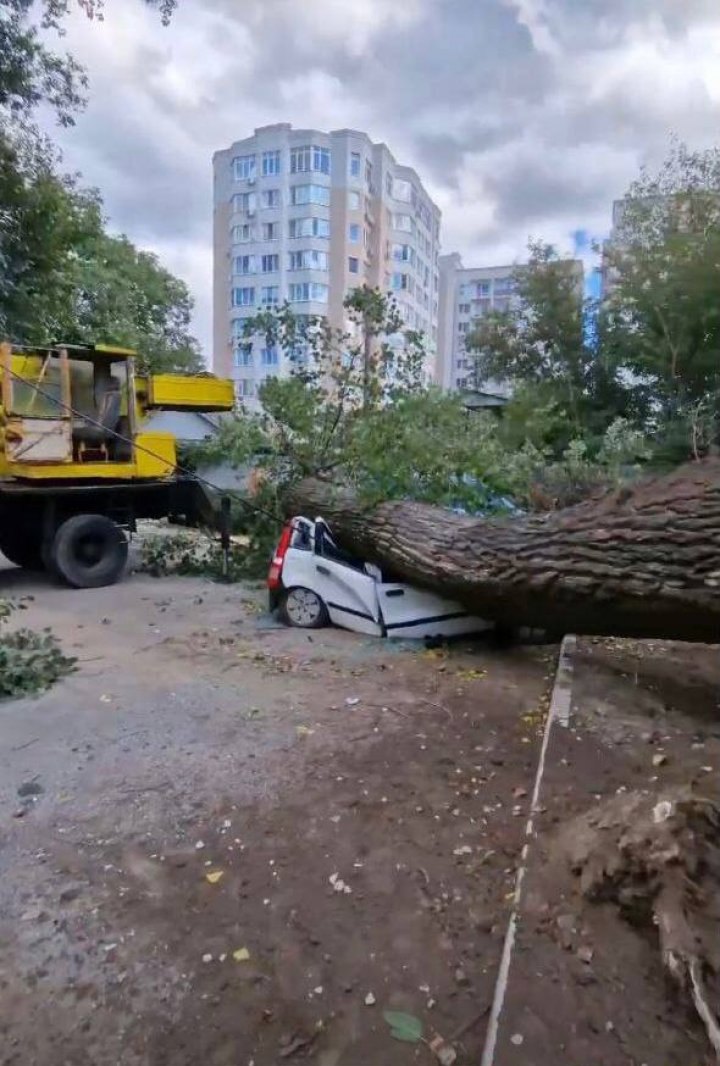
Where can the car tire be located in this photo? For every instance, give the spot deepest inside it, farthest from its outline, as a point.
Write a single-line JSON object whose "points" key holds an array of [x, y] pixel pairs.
{"points": [[89, 551], [303, 609], [23, 547]]}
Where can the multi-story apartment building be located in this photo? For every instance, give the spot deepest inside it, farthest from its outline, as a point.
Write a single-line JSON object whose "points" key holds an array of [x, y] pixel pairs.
{"points": [[306, 216], [467, 293]]}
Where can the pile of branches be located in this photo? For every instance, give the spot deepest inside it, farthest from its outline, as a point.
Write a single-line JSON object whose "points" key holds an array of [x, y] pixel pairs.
{"points": [[30, 661]]}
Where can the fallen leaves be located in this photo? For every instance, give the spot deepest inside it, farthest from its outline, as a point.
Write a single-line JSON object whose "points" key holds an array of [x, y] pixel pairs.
{"points": [[405, 1027]]}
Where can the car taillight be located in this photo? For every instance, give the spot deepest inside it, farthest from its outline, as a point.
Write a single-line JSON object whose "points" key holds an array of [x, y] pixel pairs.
{"points": [[275, 572]]}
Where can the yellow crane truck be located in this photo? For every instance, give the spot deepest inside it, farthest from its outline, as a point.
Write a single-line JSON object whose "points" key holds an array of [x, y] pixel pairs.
{"points": [[77, 468]]}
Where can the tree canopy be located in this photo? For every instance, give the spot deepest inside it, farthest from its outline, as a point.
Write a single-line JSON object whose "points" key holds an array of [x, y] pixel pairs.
{"points": [[649, 351], [30, 71], [64, 277]]}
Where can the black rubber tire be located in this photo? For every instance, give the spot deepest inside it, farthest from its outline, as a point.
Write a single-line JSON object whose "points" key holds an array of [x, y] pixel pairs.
{"points": [[89, 551], [23, 547], [321, 619]]}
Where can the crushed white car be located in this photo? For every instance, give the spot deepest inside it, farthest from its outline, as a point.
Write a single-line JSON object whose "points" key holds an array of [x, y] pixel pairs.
{"points": [[313, 582]]}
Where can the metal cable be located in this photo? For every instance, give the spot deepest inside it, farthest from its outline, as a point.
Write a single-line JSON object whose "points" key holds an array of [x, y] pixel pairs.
{"points": [[148, 451]]}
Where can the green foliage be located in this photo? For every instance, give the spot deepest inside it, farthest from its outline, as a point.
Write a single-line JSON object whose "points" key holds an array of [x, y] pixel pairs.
{"points": [[662, 320], [30, 72], [63, 277], [541, 344], [405, 1027], [30, 662], [191, 554]]}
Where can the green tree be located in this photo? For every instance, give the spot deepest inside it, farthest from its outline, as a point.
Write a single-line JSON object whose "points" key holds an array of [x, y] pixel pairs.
{"points": [[661, 321], [63, 277], [543, 346], [30, 72]]}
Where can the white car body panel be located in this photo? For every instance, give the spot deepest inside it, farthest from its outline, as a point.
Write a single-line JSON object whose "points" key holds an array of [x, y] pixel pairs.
{"points": [[358, 599]]}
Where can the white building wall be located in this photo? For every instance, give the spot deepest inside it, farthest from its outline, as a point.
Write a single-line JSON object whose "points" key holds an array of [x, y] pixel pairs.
{"points": [[372, 210]]}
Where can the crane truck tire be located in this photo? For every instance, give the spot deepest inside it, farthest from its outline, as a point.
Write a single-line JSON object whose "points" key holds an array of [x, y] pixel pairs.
{"points": [[22, 547], [89, 551]]}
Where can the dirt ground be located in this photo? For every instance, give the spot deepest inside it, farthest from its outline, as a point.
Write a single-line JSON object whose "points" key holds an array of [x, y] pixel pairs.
{"points": [[363, 803]]}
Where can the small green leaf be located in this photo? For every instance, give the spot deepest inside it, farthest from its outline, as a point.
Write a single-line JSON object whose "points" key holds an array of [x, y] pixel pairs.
{"points": [[404, 1026]]}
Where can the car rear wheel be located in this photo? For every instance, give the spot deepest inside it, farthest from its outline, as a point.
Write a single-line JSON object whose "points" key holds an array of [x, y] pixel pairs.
{"points": [[303, 608]]}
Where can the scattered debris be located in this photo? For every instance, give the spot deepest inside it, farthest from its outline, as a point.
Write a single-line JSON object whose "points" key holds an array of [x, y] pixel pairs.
{"points": [[659, 861], [517, 1039], [585, 953], [443, 1052], [338, 884], [214, 876], [659, 759], [241, 955], [370, 1000]]}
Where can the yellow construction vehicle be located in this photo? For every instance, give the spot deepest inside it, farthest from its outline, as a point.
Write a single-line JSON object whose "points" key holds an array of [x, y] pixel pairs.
{"points": [[77, 468]]}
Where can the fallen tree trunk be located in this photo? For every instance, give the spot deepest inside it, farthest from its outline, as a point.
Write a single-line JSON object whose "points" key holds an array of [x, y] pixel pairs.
{"points": [[641, 562]]}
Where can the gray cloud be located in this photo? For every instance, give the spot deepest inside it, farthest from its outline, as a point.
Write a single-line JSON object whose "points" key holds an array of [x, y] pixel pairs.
{"points": [[523, 116]]}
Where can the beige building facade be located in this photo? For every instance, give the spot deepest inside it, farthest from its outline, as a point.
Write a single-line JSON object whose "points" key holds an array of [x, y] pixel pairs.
{"points": [[466, 294], [306, 216]]}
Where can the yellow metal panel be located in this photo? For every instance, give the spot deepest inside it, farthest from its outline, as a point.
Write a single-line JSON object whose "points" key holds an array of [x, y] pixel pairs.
{"points": [[70, 471], [173, 392], [155, 455]]}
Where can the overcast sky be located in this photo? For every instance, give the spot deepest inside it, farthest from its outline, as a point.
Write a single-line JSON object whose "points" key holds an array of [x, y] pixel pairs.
{"points": [[523, 117]]}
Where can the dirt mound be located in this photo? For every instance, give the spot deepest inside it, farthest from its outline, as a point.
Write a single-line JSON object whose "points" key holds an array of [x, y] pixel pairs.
{"points": [[658, 858]]}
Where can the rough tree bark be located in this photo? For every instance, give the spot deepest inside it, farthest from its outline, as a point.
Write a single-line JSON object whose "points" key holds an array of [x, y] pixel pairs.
{"points": [[643, 561]]}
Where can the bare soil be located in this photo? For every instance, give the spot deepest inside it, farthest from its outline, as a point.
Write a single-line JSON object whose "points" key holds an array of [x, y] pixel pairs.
{"points": [[196, 740]]}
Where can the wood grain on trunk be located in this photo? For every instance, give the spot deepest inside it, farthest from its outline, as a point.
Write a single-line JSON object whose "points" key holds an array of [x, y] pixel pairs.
{"points": [[642, 562]]}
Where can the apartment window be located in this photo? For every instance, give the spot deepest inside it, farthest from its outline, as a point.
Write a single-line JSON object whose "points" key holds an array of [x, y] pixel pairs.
{"points": [[310, 194], [243, 388], [244, 201], [271, 231], [464, 309], [353, 265], [269, 264], [503, 286], [309, 227], [482, 288], [465, 291], [270, 198], [243, 297], [308, 158], [308, 260], [354, 233], [463, 327], [242, 234], [309, 290], [388, 184], [354, 200], [269, 357], [355, 162], [403, 252], [460, 364], [270, 295], [368, 173], [243, 355], [400, 282], [270, 164], [244, 167], [244, 264], [239, 327], [459, 383], [404, 223], [402, 190]]}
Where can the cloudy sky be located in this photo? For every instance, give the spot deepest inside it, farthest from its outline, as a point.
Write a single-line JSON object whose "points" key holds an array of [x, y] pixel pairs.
{"points": [[524, 117]]}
